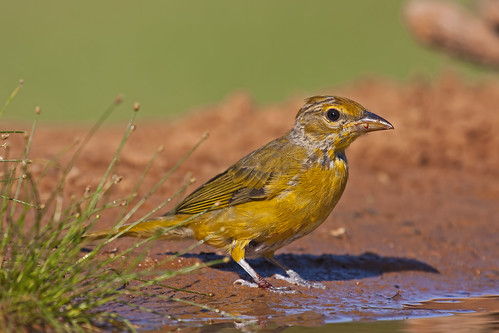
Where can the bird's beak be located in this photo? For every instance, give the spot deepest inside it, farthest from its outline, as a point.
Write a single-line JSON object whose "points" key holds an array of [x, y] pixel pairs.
{"points": [[372, 122]]}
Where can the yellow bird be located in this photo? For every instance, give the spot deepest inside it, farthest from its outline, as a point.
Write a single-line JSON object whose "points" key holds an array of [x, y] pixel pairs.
{"points": [[276, 194]]}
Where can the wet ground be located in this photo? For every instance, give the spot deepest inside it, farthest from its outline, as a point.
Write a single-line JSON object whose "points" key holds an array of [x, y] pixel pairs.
{"points": [[415, 235]]}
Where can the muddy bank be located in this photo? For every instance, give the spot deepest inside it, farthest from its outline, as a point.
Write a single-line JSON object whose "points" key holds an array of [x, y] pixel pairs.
{"points": [[418, 219]]}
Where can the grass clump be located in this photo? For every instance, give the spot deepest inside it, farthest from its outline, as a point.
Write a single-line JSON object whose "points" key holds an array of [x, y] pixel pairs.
{"points": [[46, 281]]}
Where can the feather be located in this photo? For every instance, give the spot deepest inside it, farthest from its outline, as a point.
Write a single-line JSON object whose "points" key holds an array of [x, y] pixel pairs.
{"points": [[245, 181]]}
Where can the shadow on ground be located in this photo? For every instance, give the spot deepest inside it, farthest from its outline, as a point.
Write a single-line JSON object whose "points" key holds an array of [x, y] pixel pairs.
{"points": [[325, 267]]}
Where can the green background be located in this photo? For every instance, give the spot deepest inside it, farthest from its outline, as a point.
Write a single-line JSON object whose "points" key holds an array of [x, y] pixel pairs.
{"points": [[171, 56]]}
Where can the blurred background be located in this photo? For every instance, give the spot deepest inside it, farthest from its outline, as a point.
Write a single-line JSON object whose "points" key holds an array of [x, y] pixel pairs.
{"points": [[172, 56]]}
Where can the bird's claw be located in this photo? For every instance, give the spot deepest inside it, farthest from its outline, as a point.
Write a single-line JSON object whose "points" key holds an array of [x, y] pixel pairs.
{"points": [[266, 285], [242, 282], [299, 281]]}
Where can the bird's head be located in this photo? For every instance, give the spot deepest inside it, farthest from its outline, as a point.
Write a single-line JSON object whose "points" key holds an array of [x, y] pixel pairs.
{"points": [[332, 123]]}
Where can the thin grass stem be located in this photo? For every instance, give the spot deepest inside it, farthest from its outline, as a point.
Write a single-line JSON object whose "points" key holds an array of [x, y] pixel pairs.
{"points": [[11, 97], [162, 180]]}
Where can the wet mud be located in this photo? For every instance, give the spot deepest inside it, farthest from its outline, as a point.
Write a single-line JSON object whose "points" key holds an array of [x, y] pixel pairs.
{"points": [[415, 235]]}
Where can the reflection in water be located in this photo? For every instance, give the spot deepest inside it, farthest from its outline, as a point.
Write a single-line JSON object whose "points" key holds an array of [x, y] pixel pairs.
{"points": [[450, 315], [474, 314], [366, 293], [459, 323]]}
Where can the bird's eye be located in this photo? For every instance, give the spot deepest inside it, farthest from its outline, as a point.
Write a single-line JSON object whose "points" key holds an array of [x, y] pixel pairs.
{"points": [[333, 114]]}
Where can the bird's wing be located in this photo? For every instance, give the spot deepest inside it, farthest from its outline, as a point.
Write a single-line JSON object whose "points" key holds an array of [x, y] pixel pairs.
{"points": [[245, 181]]}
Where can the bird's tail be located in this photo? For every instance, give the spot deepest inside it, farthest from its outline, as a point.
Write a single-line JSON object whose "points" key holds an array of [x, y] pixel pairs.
{"points": [[166, 227]]}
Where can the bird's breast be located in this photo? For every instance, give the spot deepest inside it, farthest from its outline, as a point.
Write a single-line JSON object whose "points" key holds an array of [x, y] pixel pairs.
{"points": [[310, 197], [316, 191]]}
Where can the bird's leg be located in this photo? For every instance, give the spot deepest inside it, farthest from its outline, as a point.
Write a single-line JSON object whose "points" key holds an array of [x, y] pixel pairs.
{"points": [[259, 281], [237, 253], [293, 277]]}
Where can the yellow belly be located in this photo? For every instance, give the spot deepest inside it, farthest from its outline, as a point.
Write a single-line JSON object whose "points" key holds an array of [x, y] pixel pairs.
{"points": [[267, 225]]}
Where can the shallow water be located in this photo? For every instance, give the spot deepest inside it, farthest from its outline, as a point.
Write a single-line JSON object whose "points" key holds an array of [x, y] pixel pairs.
{"points": [[369, 293], [475, 314]]}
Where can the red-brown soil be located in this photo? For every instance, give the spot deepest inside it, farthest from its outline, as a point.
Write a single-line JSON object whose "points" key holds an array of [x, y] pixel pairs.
{"points": [[418, 220]]}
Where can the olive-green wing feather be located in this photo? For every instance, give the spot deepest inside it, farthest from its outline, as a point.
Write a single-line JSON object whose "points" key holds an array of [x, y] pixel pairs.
{"points": [[245, 181], [225, 189]]}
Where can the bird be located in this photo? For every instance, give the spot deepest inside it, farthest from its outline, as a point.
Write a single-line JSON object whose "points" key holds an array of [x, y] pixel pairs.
{"points": [[274, 195]]}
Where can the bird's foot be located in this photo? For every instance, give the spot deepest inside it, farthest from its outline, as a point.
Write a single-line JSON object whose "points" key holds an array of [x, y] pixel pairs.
{"points": [[265, 285], [295, 278]]}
